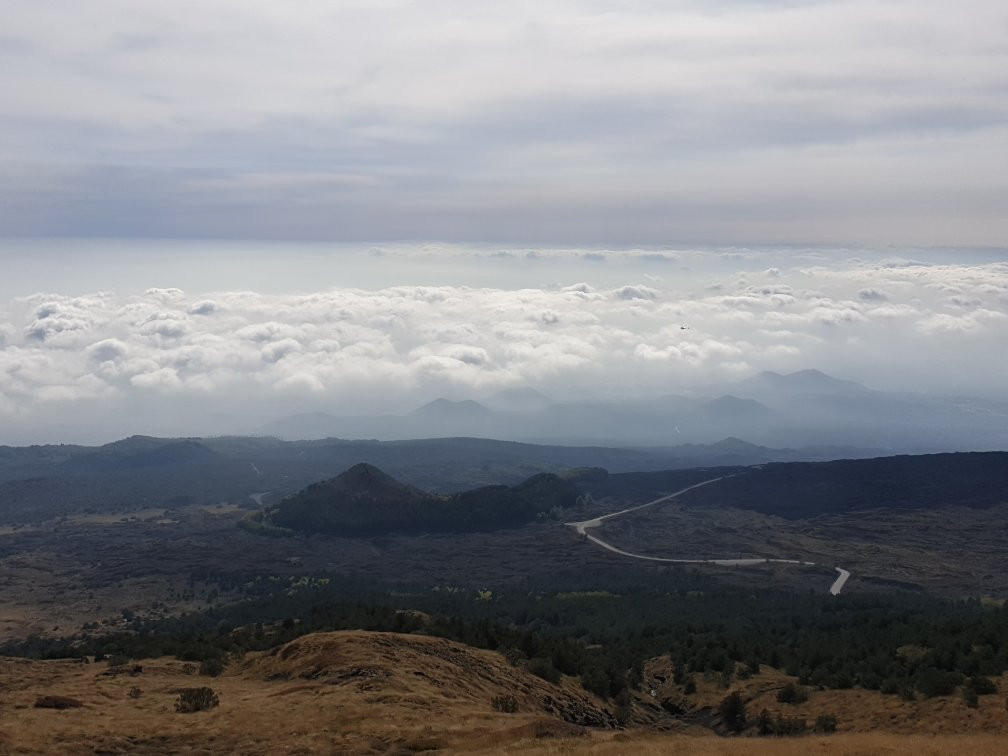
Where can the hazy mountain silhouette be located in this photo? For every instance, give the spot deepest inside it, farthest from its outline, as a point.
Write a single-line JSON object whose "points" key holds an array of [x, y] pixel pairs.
{"points": [[730, 407], [445, 410], [800, 382], [518, 400], [807, 408]]}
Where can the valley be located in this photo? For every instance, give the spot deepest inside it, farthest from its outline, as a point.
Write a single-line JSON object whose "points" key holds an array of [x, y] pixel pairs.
{"points": [[580, 577]]}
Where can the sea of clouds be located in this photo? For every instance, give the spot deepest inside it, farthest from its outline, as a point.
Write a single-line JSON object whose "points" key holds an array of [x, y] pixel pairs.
{"points": [[163, 360]]}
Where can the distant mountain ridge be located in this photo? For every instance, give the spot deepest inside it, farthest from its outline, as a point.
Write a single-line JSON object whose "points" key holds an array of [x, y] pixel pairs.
{"points": [[802, 381], [446, 409], [142, 451], [800, 409], [518, 400]]}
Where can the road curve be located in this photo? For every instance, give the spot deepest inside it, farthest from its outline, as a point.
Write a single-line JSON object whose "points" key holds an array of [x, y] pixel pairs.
{"points": [[583, 527], [838, 584]]}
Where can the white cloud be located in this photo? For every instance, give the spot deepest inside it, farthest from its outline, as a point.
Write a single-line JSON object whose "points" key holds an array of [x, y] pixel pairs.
{"points": [[257, 356], [635, 292]]}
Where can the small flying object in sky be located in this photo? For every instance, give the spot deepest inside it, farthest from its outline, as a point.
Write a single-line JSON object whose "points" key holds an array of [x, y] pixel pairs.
{"points": [[683, 328]]}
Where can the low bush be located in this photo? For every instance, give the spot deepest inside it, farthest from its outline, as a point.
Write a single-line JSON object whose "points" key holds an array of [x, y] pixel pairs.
{"points": [[212, 666], [505, 703], [792, 694], [732, 710], [196, 699], [826, 724], [982, 685], [57, 702], [543, 667], [936, 682]]}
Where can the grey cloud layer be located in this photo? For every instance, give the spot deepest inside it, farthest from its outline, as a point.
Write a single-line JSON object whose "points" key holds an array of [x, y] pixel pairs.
{"points": [[936, 327], [564, 120]]}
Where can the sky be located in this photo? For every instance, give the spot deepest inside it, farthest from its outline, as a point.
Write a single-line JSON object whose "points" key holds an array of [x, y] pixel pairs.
{"points": [[571, 122], [214, 214]]}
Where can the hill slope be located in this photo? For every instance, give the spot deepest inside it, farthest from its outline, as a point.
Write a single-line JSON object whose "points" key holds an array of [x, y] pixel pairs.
{"points": [[363, 500], [798, 490], [346, 692], [378, 693]]}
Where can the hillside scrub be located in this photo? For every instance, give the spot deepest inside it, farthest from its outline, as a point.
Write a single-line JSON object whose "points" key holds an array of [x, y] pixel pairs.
{"points": [[364, 501]]}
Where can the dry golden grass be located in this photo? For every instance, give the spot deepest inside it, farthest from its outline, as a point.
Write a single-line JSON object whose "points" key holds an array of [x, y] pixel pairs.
{"points": [[323, 693], [363, 693], [859, 744]]}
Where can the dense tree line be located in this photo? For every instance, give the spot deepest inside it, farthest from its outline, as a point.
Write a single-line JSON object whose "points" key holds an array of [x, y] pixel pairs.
{"points": [[798, 490], [603, 630]]}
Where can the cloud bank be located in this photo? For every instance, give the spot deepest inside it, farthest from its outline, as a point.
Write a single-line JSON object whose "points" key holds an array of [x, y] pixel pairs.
{"points": [[169, 362]]}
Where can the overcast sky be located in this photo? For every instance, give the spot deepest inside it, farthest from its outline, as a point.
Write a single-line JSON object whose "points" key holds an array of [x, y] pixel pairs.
{"points": [[569, 122], [393, 201]]}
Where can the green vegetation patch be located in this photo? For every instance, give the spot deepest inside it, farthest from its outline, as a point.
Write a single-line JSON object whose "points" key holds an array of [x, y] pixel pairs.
{"points": [[364, 501]]}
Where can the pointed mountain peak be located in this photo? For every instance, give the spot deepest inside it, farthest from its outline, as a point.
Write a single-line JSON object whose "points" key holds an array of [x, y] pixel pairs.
{"points": [[365, 477]]}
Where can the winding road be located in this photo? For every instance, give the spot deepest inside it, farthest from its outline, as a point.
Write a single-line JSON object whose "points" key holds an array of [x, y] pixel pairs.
{"points": [[583, 527]]}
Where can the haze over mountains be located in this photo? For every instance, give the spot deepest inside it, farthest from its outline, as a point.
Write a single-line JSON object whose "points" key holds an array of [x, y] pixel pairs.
{"points": [[806, 408]]}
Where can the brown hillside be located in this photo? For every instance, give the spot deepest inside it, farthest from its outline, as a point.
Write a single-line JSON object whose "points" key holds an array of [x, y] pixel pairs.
{"points": [[360, 693], [350, 692]]}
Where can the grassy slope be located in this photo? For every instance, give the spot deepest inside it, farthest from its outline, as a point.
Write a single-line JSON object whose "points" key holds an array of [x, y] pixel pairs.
{"points": [[360, 692]]}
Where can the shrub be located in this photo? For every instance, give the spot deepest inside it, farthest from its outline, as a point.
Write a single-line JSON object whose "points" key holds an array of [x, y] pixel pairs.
{"points": [[505, 703], [970, 697], [196, 699], [211, 666], [595, 680], [135, 692], [541, 667], [890, 686], [732, 709], [116, 661], [425, 740], [624, 707], [982, 685], [792, 694], [826, 723], [790, 726], [57, 702], [935, 682]]}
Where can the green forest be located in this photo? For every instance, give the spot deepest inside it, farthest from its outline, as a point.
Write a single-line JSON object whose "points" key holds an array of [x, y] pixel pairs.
{"points": [[364, 501], [602, 630]]}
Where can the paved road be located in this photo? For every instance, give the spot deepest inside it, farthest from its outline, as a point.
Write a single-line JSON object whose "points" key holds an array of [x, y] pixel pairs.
{"points": [[585, 525], [838, 584]]}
